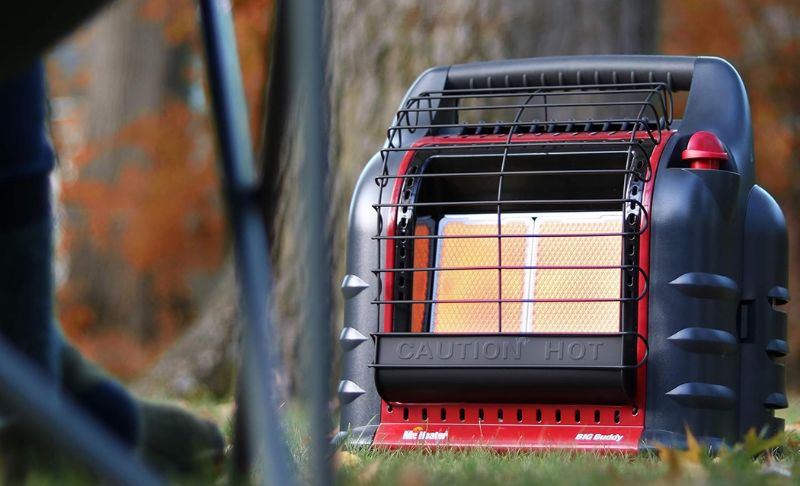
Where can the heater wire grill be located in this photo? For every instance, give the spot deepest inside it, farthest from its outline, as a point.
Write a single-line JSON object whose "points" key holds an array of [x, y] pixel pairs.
{"points": [[619, 124]]}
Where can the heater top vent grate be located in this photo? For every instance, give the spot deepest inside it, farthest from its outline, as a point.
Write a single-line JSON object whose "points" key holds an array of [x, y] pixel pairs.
{"points": [[619, 107]]}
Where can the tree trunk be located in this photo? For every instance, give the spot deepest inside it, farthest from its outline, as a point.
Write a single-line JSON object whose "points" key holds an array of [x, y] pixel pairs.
{"points": [[376, 50], [203, 360]]}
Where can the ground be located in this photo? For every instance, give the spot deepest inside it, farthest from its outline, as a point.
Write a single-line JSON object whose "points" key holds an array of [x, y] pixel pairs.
{"points": [[425, 467], [737, 466]]}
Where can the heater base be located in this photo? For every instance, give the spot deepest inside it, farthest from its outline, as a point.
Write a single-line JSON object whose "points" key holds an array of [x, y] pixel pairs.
{"points": [[510, 427], [509, 437], [613, 439]]}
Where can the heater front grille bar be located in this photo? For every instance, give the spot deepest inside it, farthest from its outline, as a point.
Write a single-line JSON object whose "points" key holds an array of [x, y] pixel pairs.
{"points": [[390, 355], [512, 201], [423, 368]]}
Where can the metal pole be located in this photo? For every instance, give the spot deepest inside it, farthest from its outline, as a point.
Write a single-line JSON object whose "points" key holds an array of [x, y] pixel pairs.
{"points": [[307, 77], [33, 397], [250, 245]]}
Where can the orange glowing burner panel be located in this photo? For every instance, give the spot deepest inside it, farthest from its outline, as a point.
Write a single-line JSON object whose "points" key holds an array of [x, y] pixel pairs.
{"points": [[541, 257], [583, 265]]}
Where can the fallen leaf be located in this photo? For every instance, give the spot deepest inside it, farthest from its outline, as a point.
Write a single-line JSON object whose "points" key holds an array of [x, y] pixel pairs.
{"points": [[345, 459], [684, 462], [777, 469], [370, 472], [411, 476], [755, 444]]}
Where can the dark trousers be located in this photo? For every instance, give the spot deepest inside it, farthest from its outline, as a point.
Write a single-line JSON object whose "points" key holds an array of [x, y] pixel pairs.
{"points": [[26, 228]]}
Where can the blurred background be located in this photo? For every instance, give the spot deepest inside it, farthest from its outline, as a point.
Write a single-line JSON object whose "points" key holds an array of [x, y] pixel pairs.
{"points": [[144, 272]]}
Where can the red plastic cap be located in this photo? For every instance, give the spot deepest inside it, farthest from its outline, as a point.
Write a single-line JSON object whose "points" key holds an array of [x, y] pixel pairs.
{"points": [[704, 151]]}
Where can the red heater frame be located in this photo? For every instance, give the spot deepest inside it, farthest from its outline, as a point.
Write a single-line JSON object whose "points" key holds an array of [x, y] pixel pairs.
{"points": [[525, 425]]}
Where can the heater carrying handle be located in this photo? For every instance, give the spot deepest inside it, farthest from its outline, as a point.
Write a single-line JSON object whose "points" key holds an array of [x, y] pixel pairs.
{"points": [[675, 71]]}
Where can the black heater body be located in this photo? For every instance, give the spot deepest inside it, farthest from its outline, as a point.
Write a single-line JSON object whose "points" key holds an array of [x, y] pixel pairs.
{"points": [[543, 256]]}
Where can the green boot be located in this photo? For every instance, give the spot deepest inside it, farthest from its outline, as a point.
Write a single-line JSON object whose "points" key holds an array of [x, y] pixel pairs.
{"points": [[169, 438]]}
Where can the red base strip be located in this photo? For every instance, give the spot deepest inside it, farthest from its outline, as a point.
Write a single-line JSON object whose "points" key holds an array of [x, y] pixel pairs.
{"points": [[510, 437]]}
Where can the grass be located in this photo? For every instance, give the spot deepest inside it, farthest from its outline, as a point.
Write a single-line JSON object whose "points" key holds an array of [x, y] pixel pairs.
{"points": [[480, 466], [364, 466]]}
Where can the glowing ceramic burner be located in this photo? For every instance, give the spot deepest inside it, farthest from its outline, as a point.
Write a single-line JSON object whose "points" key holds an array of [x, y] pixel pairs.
{"points": [[422, 256], [454, 287], [577, 283], [555, 276]]}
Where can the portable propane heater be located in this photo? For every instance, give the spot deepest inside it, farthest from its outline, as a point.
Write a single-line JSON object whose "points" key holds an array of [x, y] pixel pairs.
{"points": [[542, 257]]}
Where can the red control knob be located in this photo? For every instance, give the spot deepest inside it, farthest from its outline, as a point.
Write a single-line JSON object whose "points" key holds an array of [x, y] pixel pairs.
{"points": [[704, 151]]}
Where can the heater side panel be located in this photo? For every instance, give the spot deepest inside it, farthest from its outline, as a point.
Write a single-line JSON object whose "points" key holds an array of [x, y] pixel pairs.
{"points": [[357, 394], [360, 412], [696, 269], [695, 285]]}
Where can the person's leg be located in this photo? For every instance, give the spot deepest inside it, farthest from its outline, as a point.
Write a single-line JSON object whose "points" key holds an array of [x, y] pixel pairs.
{"points": [[26, 240], [26, 228], [26, 258], [26, 249], [168, 437]]}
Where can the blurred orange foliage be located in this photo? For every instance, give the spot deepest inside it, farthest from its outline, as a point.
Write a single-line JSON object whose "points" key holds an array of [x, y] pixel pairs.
{"points": [[160, 215]]}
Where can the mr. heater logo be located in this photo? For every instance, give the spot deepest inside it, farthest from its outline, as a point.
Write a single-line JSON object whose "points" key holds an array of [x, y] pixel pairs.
{"points": [[419, 433]]}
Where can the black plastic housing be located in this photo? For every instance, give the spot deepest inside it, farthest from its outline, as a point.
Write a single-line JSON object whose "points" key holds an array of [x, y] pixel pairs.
{"points": [[717, 272]]}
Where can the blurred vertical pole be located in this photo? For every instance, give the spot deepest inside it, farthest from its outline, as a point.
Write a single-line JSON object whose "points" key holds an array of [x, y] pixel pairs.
{"points": [[267, 442], [307, 54]]}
